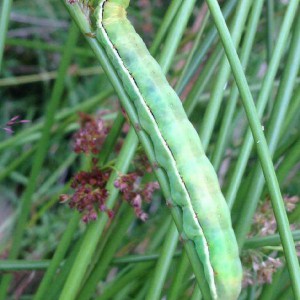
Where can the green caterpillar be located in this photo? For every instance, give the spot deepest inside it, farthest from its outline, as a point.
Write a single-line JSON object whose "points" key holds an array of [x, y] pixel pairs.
{"points": [[178, 151]]}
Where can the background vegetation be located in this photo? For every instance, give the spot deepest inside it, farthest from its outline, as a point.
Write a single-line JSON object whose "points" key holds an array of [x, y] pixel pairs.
{"points": [[59, 114]]}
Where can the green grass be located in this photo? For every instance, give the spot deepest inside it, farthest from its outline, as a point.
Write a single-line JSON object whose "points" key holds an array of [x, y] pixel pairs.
{"points": [[245, 104]]}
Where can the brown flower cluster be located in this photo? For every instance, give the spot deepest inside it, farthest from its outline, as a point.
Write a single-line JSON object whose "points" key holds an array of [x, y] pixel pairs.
{"points": [[264, 222], [92, 134], [291, 202], [264, 219], [90, 194], [261, 269], [134, 192]]}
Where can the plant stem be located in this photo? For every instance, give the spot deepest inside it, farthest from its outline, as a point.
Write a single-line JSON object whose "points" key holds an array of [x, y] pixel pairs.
{"points": [[4, 19], [40, 155], [261, 144]]}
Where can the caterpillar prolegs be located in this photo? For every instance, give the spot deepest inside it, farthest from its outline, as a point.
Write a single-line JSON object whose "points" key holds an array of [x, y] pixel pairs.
{"points": [[193, 182]]}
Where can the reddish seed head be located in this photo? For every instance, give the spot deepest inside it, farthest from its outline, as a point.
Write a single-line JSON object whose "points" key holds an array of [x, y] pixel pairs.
{"points": [[137, 201], [134, 192], [90, 137], [110, 213], [143, 216], [64, 198], [93, 215], [90, 193]]}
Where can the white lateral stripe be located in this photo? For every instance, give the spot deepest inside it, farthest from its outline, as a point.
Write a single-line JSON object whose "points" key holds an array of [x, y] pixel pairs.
{"points": [[173, 162]]}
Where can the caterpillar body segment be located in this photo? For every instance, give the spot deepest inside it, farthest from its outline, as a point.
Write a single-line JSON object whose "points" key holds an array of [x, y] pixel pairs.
{"points": [[178, 151]]}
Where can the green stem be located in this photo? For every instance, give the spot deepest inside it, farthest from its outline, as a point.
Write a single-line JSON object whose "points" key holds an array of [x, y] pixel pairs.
{"points": [[290, 161], [196, 294], [4, 19], [110, 140], [205, 46], [179, 277], [46, 46], [13, 265], [163, 264], [272, 291], [270, 28], [47, 76], [109, 251], [261, 144], [133, 274], [273, 134], [63, 114], [202, 81], [175, 34], [15, 163], [263, 97], [139, 269], [196, 44], [58, 256], [293, 114], [248, 41], [266, 241], [168, 18], [55, 288], [40, 155], [212, 110], [95, 229]]}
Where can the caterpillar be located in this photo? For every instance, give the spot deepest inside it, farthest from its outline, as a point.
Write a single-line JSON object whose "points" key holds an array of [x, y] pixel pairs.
{"points": [[193, 182]]}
